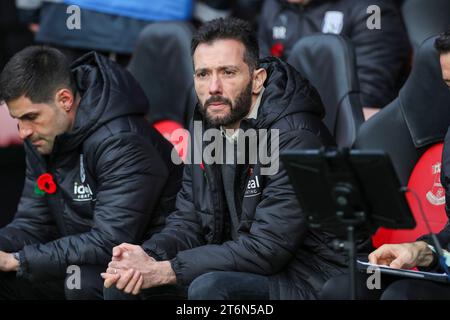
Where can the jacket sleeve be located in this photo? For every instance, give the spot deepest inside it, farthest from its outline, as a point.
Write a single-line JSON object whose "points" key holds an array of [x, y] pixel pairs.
{"points": [[130, 178], [33, 222], [276, 232], [183, 229], [381, 54]]}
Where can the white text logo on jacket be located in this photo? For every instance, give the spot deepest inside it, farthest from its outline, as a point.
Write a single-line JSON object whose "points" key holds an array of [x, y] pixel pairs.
{"points": [[333, 22], [253, 187], [279, 31], [82, 191]]}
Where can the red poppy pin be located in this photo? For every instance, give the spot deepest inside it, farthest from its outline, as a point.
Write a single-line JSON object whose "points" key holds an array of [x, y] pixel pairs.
{"points": [[202, 166], [45, 184], [277, 50]]}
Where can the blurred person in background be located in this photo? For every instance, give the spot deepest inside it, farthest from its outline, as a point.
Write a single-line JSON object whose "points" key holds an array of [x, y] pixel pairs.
{"points": [[9, 135], [109, 27], [14, 35], [382, 55]]}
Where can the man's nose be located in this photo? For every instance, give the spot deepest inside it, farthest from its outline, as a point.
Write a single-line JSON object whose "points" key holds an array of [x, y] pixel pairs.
{"points": [[215, 86], [24, 131]]}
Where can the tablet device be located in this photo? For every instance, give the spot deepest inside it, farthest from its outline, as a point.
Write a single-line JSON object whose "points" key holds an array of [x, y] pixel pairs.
{"points": [[432, 276]]}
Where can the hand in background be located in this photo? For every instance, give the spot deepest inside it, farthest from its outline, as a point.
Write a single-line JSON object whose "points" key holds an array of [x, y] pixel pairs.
{"points": [[7, 262], [403, 256]]}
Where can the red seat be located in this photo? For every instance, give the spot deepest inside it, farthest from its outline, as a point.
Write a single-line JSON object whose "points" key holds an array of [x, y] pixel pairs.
{"points": [[176, 134], [9, 134], [425, 182]]}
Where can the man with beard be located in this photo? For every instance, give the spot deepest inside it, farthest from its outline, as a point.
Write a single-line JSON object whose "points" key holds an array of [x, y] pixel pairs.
{"points": [[237, 232]]}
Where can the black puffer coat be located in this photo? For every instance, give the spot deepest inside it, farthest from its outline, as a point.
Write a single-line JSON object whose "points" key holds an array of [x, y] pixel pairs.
{"points": [[273, 238], [112, 175]]}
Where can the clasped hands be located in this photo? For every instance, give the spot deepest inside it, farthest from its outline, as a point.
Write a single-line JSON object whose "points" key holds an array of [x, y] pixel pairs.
{"points": [[131, 269], [7, 262]]}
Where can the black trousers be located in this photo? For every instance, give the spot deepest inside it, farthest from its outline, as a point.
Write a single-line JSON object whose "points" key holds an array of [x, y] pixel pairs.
{"points": [[91, 287], [157, 293], [391, 288], [229, 285], [411, 289], [219, 285]]}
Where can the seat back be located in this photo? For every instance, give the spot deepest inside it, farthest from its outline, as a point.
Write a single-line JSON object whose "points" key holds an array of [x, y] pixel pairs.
{"points": [[418, 118], [425, 183], [387, 131], [408, 129], [12, 176], [328, 62], [162, 65], [175, 134], [425, 18]]}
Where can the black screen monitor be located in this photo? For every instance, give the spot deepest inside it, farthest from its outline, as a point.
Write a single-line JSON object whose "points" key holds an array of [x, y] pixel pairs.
{"points": [[335, 185]]}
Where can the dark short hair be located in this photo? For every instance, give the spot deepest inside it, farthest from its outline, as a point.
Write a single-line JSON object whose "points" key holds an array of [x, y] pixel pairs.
{"points": [[230, 28], [36, 72], [442, 43]]}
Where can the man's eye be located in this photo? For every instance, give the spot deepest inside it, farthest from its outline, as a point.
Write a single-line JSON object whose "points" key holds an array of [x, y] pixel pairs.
{"points": [[201, 74], [30, 117], [229, 72]]}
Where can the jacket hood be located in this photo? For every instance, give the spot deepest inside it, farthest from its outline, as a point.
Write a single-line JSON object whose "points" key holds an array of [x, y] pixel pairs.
{"points": [[287, 92], [107, 92]]}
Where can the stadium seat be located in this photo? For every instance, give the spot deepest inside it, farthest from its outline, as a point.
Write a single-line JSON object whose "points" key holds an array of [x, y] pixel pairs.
{"points": [[424, 19], [337, 83], [176, 134], [425, 182], [162, 65], [407, 128], [12, 175]]}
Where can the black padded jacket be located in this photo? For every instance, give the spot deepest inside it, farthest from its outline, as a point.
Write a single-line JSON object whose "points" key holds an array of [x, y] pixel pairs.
{"points": [[114, 176]]}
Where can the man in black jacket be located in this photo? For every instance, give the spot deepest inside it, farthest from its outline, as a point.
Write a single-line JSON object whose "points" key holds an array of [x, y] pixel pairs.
{"points": [[238, 231], [97, 173], [381, 53], [422, 253]]}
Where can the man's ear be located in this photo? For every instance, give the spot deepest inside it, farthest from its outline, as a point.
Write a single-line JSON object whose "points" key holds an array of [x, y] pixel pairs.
{"points": [[259, 77], [65, 99]]}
